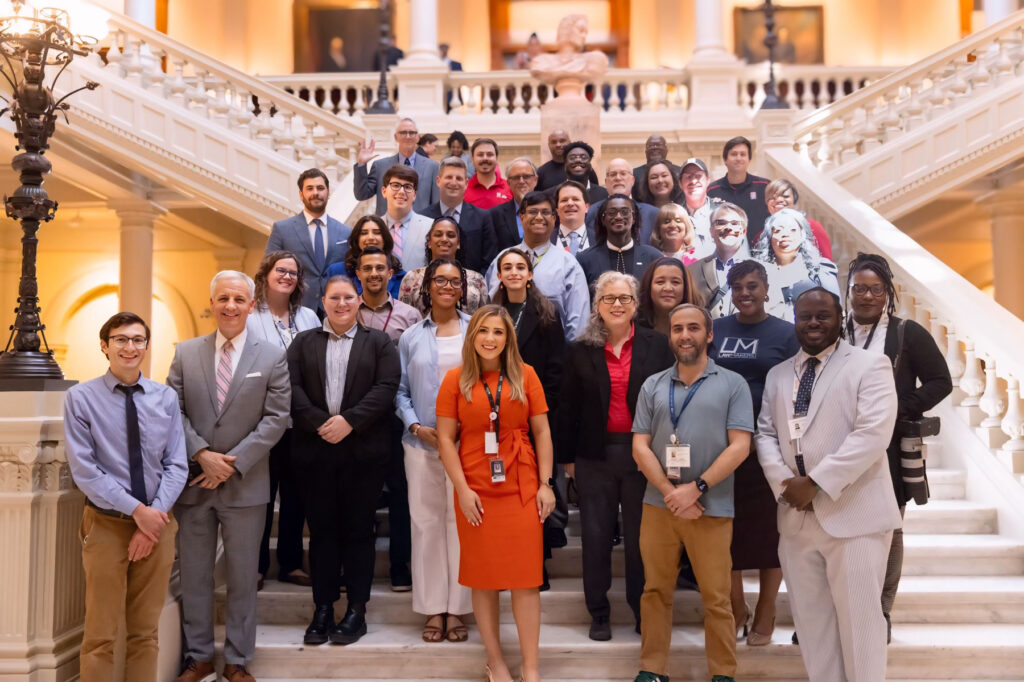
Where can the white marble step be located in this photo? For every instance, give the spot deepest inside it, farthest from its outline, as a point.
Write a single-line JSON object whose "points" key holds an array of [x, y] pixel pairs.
{"points": [[397, 652], [922, 599]]}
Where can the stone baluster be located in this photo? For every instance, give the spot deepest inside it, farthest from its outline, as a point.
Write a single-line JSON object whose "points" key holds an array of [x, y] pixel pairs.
{"points": [[847, 140], [176, 87], [241, 108], [327, 157], [133, 60], [921, 313], [115, 55], [359, 104], [935, 329], [905, 307], [630, 101], [502, 97], [958, 85], [1013, 422], [978, 76], [1004, 65], [955, 360], [197, 95], [914, 108], [218, 106], [283, 135], [791, 98], [972, 382], [870, 129], [471, 100], [890, 121], [306, 147], [935, 95], [153, 76], [264, 128], [992, 404], [534, 96], [663, 95], [518, 103]]}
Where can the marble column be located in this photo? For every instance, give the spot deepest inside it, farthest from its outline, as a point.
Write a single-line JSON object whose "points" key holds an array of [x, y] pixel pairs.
{"points": [[714, 77], [421, 75], [1006, 211], [422, 34], [142, 11], [708, 22], [997, 10], [135, 281]]}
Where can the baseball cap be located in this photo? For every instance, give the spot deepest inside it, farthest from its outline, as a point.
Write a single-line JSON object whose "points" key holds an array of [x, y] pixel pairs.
{"points": [[693, 162]]}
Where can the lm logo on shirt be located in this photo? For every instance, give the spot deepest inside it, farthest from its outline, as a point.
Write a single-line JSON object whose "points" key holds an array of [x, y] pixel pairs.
{"points": [[736, 347]]}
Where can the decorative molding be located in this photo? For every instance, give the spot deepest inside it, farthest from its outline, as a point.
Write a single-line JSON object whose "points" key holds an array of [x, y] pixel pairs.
{"points": [[25, 468]]}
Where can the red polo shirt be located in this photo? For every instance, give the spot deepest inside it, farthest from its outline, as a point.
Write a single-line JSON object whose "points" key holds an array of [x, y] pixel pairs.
{"points": [[619, 418], [488, 197]]}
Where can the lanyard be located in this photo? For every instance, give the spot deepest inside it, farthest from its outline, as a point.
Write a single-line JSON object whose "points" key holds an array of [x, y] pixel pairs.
{"points": [[373, 315], [519, 316], [495, 404], [672, 401], [584, 242], [871, 334]]}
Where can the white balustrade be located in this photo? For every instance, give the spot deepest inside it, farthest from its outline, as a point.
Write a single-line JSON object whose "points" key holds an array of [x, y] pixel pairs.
{"points": [[806, 86], [991, 402], [1013, 421], [345, 95]]}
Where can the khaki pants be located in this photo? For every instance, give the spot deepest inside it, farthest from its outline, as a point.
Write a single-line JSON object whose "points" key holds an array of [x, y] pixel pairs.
{"points": [[115, 586], [707, 541]]}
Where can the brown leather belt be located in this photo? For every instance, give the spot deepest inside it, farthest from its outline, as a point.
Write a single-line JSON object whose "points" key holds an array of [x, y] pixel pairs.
{"points": [[109, 512]]}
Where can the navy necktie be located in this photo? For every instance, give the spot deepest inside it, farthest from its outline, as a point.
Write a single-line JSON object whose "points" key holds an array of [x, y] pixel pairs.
{"points": [[803, 391], [319, 257], [134, 443], [408, 162]]}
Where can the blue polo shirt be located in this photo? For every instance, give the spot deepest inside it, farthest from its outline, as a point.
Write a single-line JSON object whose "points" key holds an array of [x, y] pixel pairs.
{"points": [[722, 403]]}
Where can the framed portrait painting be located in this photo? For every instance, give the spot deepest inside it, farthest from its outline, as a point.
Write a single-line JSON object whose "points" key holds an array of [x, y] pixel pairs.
{"points": [[800, 32]]}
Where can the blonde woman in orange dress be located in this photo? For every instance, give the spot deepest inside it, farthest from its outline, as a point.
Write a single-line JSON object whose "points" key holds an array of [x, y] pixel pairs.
{"points": [[492, 405]]}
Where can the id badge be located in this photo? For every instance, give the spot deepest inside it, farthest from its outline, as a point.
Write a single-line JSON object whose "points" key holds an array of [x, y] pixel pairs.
{"points": [[677, 457], [797, 426], [497, 470], [490, 443]]}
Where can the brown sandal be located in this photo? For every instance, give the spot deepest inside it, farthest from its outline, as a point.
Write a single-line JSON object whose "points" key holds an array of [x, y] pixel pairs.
{"points": [[433, 634], [457, 633]]}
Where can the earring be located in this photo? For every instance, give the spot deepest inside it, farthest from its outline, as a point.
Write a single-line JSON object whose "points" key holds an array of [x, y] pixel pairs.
{"points": [[766, 299]]}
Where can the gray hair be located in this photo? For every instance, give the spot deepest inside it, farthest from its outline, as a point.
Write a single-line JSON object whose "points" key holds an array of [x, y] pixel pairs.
{"points": [[400, 122], [596, 333], [233, 274], [726, 206], [451, 162], [521, 159]]}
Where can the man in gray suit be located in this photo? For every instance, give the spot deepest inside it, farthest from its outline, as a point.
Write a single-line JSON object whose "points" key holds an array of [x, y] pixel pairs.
{"points": [[315, 237], [826, 421], [369, 183], [408, 228], [235, 398], [729, 232]]}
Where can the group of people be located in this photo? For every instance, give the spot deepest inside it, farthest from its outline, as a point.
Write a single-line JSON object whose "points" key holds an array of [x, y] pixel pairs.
{"points": [[679, 348]]}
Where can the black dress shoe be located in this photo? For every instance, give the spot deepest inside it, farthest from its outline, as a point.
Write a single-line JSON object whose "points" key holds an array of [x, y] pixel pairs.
{"points": [[323, 621], [546, 584], [888, 629], [796, 640], [600, 629], [351, 627]]}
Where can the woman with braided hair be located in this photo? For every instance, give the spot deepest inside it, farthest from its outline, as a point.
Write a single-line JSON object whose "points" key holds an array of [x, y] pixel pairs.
{"points": [[872, 325]]}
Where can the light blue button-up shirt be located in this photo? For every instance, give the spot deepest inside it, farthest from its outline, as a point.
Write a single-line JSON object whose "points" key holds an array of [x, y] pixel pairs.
{"points": [[96, 440], [557, 275], [421, 379]]}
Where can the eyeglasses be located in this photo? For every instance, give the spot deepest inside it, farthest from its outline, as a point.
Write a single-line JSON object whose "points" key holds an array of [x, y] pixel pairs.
{"points": [[281, 272], [397, 187], [721, 222], [577, 157], [624, 211], [407, 133], [442, 282], [521, 178], [120, 341], [370, 269], [876, 290], [534, 212], [621, 299]]}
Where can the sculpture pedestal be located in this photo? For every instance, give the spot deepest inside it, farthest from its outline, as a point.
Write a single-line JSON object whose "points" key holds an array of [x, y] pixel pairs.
{"points": [[571, 112], [42, 584]]}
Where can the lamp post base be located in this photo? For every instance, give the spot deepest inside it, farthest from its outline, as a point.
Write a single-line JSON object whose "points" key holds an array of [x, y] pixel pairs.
{"points": [[30, 371]]}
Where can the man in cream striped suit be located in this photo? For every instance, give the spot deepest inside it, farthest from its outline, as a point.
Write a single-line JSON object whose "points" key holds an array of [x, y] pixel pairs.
{"points": [[826, 420]]}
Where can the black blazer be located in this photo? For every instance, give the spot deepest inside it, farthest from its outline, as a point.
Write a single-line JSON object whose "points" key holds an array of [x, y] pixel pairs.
{"points": [[506, 229], [543, 348], [586, 392], [371, 383], [476, 235], [921, 360]]}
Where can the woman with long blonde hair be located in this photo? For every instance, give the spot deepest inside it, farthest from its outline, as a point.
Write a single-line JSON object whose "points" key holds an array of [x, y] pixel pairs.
{"points": [[493, 404]]}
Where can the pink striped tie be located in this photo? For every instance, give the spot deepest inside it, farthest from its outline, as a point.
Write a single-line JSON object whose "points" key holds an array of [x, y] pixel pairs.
{"points": [[224, 374], [396, 234]]}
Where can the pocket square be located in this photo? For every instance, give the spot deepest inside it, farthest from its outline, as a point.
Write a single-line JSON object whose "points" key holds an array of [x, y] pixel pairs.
{"points": [[253, 374], [340, 243]]}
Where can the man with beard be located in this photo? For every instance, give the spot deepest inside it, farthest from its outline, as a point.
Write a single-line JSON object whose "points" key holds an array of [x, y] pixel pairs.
{"points": [[486, 189], [655, 150], [578, 156], [617, 245], [317, 239], [552, 173], [728, 230], [826, 421], [618, 179], [691, 430], [693, 180]]}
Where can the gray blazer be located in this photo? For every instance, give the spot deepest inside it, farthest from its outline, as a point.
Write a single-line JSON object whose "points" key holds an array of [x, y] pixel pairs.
{"points": [[292, 234], [414, 242], [849, 425], [254, 417], [367, 184]]}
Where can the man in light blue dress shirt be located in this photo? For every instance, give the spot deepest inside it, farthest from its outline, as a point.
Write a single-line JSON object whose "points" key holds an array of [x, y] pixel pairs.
{"points": [[126, 450]]}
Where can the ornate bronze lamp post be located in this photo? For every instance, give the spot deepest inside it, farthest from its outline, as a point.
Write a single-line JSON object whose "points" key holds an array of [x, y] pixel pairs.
{"points": [[30, 41], [771, 99], [382, 105]]}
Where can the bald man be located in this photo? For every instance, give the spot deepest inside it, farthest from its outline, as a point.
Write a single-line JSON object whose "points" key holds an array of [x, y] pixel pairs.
{"points": [[552, 173], [655, 149], [618, 179]]}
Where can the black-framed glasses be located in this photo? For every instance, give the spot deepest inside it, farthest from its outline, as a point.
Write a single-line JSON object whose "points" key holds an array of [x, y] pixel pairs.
{"points": [[521, 178], [121, 341], [624, 211], [397, 187], [441, 281], [284, 272], [621, 299], [877, 290]]}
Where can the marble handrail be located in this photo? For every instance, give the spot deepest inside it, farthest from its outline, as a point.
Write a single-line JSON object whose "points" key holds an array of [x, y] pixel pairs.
{"points": [[806, 86]]}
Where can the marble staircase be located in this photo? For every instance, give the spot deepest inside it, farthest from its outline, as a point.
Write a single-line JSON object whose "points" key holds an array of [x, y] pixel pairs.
{"points": [[959, 615]]}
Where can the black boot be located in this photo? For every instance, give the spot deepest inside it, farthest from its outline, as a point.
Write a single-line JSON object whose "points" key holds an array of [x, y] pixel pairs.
{"points": [[351, 627], [323, 621]]}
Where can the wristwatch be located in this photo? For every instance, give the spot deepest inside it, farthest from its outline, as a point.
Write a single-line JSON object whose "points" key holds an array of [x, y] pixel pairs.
{"points": [[550, 482], [702, 485]]}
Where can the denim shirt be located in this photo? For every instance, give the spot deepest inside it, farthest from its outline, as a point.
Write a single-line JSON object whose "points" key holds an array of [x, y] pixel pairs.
{"points": [[417, 392]]}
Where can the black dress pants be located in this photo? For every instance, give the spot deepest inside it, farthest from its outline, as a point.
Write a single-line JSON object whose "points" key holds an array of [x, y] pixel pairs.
{"points": [[400, 532], [604, 486], [291, 513], [341, 504]]}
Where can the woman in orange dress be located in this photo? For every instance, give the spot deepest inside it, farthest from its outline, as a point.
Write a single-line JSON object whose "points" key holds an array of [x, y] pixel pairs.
{"points": [[492, 405]]}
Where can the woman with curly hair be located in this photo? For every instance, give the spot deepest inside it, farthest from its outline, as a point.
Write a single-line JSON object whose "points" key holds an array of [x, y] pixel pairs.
{"points": [[787, 250], [443, 241], [370, 230], [426, 351]]}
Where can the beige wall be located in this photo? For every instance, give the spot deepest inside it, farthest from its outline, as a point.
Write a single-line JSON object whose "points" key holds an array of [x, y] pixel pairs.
{"points": [[256, 36]]}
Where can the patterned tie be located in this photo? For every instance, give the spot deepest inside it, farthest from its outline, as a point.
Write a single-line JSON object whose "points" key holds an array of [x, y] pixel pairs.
{"points": [[803, 391], [396, 235], [534, 256], [319, 258], [620, 263], [224, 374], [131, 414], [574, 243]]}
